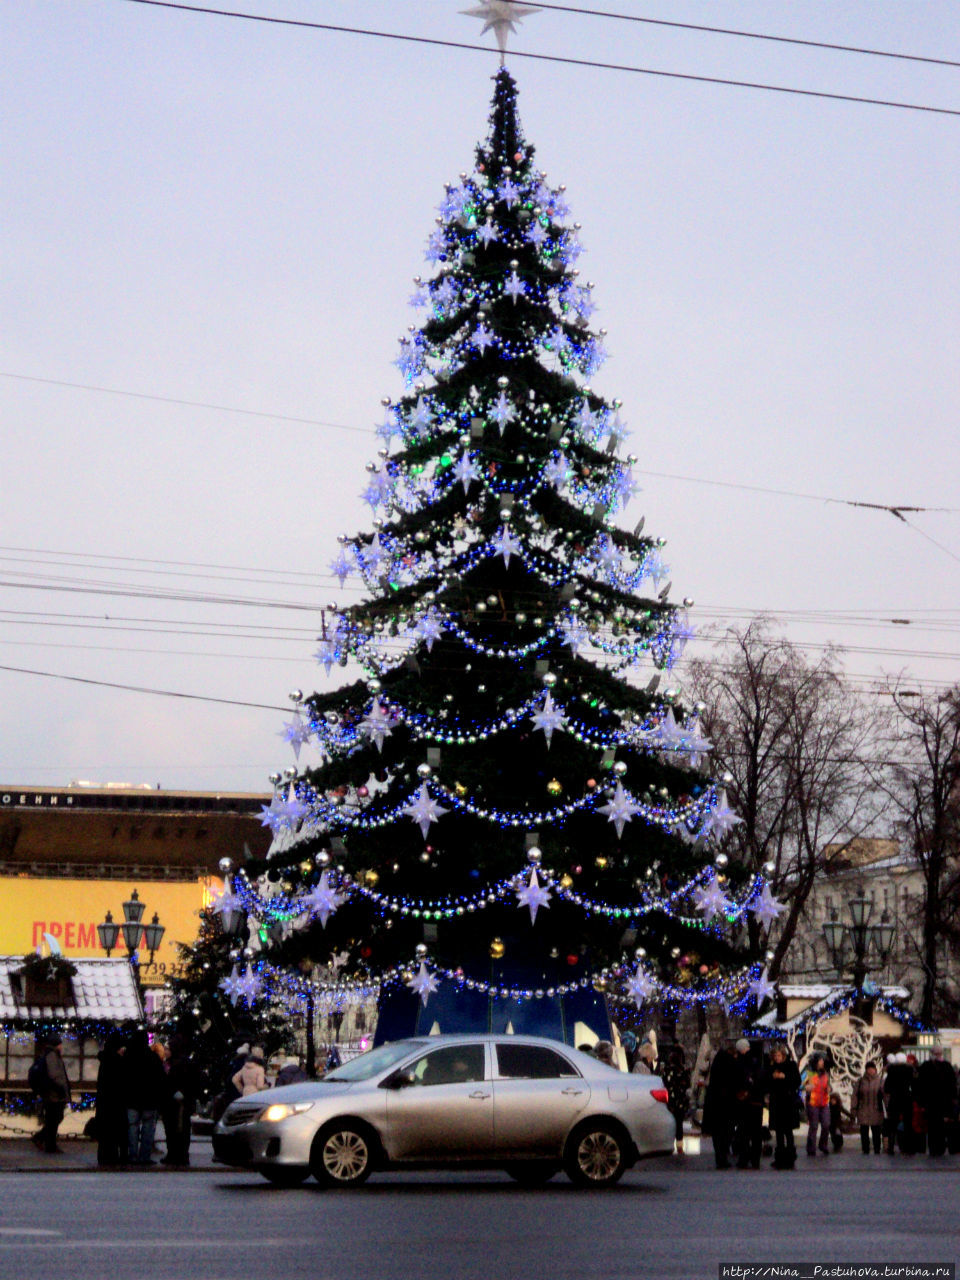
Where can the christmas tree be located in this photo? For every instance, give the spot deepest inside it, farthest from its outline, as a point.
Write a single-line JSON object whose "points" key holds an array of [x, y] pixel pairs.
{"points": [[512, 822]]}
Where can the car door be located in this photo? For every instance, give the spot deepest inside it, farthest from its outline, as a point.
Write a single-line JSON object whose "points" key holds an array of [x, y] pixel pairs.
{"points": [[537, 1095], [446, 1111]]}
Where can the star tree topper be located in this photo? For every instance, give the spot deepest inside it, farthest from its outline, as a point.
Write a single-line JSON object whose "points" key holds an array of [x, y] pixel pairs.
{"points": [[500, 17]]}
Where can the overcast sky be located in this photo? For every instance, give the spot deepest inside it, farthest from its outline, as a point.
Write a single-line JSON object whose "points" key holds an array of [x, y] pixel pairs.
{"points": [[230, 212]]}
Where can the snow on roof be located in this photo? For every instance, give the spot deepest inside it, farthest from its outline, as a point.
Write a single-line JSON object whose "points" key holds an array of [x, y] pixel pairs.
{"points": [[104, 991], [820, 995]]}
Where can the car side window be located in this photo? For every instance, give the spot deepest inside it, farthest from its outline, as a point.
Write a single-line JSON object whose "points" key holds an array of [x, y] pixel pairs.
{"points": [[532, 1062], [454, 1064]]}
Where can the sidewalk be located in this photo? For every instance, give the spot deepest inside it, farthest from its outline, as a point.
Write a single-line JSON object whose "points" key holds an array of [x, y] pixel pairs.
{"points": [[79, 1155]]}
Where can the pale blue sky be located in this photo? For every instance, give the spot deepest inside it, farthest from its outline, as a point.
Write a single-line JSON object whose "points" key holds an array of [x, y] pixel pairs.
{"points": [[229, 212]]}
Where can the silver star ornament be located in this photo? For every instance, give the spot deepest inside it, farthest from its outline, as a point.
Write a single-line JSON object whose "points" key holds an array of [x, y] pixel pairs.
{"points": [[500, 17]]}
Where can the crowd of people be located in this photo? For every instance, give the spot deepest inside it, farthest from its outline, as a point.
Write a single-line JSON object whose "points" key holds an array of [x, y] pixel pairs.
{"points": [[910, 1108], [143, 1084]]}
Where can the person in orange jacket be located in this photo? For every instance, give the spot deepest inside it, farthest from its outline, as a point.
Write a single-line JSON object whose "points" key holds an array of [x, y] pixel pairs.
{"points": [[816, 1089]]}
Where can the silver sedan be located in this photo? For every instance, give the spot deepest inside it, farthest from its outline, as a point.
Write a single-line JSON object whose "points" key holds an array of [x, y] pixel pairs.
{"points": [[527, 1105]]}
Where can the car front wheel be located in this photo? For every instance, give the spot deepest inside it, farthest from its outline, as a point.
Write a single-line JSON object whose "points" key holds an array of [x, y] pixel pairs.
{"points": [[596, 1155], [342, 1155]]}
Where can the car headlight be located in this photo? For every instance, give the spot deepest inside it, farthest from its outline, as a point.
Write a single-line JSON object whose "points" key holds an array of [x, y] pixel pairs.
{"points": [[281, 1110]]}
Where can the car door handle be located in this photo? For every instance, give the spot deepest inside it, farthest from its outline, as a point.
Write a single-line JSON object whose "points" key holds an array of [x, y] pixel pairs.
{"points": [[571, 1093], [478, 1093]]}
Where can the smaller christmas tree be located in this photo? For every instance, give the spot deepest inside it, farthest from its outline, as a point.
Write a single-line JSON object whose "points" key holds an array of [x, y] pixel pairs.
{"points": [[220, 1003]]}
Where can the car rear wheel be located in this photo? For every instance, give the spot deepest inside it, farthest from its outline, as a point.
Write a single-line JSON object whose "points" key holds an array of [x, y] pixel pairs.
{"points": [[532, 1173], [596, 1155], [285, 1175], [342, 1155]]}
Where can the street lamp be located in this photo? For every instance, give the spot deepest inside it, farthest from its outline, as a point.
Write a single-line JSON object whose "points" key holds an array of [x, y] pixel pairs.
{"points": [[134, 931], [859, 945]]}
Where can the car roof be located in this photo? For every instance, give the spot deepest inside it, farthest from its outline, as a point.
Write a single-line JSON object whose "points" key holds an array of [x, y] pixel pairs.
{"points": [[466, 1037]]}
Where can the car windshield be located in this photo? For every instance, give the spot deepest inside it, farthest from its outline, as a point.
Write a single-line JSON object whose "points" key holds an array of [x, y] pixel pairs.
{"points": [[371, 1064]]}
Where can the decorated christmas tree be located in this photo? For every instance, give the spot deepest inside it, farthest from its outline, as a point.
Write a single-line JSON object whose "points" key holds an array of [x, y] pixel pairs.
{"points": [[513, 821]]}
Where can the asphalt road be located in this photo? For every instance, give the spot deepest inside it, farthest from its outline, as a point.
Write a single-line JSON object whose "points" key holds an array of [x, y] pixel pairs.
{"points": [[663, 1220]]}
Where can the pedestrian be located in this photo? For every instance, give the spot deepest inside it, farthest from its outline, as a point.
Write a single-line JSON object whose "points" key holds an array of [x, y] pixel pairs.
{"points": [[867, 1108], [333, 1058], [629, 1042], [646, 1060], [719, 1102], [145, 1091], [701, 1074], [837, 1112], [676, 1080], [290, 1072], [251, 1078], [937, 1094], [898, 1103], [816, 1089], [53, 1091], [183, 1089], [748, 1106], [605, 1053], [111, 1107], [781, 1087]]}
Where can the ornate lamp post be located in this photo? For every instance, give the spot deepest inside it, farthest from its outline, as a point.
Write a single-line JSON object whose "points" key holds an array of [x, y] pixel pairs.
{"points": [[859, 945], [134, 932]]}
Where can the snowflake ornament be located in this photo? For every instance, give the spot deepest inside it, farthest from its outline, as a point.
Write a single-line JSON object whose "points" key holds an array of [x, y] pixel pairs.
{"points": [[766, 908], [639, 987], [424, 810], [710, 899], [423, 983], [533, 895], [549, 718], [621, 809], [323, 900]]}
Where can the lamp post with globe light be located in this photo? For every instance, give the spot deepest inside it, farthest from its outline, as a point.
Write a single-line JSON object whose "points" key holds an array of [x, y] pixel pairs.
{"points": [[134, 932], [859, 945]]}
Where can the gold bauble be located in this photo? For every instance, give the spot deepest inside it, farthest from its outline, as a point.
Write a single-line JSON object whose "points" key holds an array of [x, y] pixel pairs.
{"points": [[497, 949], [566, 881], [370, 878]]}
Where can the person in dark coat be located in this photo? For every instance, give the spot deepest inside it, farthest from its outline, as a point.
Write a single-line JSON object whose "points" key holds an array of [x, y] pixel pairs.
{"points": [[898, 1103], [937, 1094], [748, 1107], [55, 1095], [290, 1072], [145, 1093], [183, 1089], [781, 1085], [676, 1080], [111, 1108], [719, 1102]]}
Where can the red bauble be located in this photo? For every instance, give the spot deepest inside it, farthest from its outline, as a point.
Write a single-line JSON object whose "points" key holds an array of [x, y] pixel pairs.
{"points": [[571, 960], [363, 792]]}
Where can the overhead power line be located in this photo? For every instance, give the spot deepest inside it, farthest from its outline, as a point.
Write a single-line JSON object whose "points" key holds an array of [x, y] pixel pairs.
{"points": [[547, 57], [895, 509], [137, 688], [191, 404], [750, 35]]}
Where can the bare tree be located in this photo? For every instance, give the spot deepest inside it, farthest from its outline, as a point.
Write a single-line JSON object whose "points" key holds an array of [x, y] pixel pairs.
{"points": [[795, 743], [924, 784]]}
